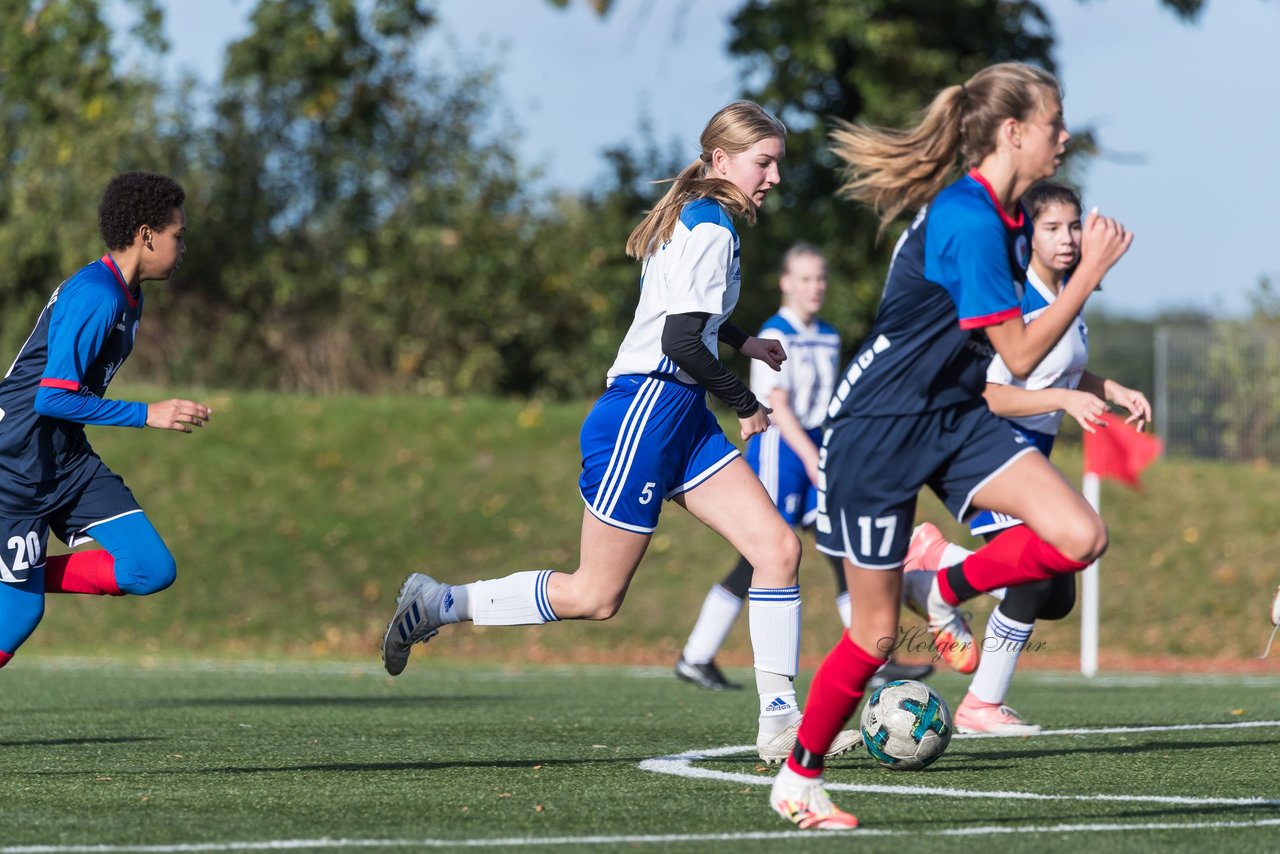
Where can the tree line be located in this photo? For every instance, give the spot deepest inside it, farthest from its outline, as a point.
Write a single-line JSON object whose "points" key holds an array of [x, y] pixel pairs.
{"points": [[359, 217]]}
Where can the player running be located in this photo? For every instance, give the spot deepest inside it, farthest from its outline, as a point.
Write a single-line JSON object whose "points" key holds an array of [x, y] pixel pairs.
{"points": [[651, 437], [784, 457], [49, 475], [1058, 385], [909, 410]]}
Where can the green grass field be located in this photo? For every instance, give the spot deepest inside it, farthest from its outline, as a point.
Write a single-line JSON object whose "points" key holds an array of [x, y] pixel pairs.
{"points": [[113, 756]]}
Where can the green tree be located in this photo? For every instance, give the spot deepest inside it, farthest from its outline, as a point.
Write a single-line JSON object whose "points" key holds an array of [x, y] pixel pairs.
{"points": [[70, 118]]}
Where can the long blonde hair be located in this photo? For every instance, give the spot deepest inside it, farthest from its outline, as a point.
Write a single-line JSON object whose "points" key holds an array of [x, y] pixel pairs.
{"points": [[893, 170], [733, 129]]}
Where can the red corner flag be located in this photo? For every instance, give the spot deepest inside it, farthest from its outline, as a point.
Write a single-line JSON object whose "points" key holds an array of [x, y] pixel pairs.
{"points": [[1119, 451]]}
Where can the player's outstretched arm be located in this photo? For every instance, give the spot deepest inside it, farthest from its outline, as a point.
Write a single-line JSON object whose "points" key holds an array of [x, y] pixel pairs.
{"points": [[177, 414]]}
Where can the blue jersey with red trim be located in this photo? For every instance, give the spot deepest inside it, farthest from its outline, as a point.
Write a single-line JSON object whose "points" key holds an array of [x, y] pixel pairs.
{"points": [[80, 340], [959, 267]]}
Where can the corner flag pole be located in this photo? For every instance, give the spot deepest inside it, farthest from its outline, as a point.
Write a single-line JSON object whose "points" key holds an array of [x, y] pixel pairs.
{"points": [[1091, 487]]}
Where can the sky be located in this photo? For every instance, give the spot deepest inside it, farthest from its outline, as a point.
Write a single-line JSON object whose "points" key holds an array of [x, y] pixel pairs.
{"points": [[1186, 112]]}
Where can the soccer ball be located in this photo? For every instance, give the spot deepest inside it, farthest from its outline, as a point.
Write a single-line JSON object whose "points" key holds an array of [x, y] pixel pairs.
{"points": [[905, 725]]}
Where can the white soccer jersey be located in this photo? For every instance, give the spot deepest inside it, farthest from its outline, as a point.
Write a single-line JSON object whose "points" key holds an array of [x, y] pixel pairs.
{"points": [[811, 368], [696, 270], [1062, 367]]}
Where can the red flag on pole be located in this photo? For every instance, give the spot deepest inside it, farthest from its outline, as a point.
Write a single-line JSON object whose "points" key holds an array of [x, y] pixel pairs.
{"points": [[1119, 451]]}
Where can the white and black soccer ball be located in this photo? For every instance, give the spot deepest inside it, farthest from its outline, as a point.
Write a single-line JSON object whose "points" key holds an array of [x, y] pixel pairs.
{"points": [[905, 725]]}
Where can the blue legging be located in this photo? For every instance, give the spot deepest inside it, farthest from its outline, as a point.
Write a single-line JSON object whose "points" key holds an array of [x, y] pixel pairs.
{"points": [[142, 565]]}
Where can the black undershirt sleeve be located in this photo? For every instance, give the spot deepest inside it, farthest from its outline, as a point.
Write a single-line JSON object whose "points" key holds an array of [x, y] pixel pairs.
{"points": [[732, 335], [682, 344]]}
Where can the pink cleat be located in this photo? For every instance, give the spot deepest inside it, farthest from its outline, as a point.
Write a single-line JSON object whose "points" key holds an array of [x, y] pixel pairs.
{"points": [[926, 548], [803, 802], [975, 716]]}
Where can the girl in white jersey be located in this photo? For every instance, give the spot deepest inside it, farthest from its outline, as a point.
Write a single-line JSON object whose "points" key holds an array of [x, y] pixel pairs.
{"points": [[1059, 385], [651, 436]]}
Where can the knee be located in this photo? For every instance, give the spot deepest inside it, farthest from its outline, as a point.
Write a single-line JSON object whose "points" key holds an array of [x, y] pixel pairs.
{"points": [[146, 574], [1085, 542], [1060, 602], [780, 564]]}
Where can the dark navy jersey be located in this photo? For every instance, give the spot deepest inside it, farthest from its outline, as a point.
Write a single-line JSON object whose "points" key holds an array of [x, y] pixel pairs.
{"points": [[959, 267], [80, 340]]}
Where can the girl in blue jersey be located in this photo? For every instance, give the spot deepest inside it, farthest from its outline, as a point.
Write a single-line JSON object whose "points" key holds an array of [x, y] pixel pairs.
{"points": [[652, 438], [49, 475], [784, 457], [909, 410], [1059, 385]]}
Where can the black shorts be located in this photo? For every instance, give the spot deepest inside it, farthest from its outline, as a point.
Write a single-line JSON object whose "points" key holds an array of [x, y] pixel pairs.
{"points": [[873, 469]]}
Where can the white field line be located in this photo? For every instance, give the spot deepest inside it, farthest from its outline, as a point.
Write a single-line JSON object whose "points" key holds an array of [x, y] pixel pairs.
{"points": [[655, 839], [681, 765]]}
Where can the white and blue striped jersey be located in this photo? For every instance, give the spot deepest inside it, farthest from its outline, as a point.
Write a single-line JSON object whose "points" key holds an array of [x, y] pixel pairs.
{"points": [[1062, 367], [697, 270], [810, 371]]}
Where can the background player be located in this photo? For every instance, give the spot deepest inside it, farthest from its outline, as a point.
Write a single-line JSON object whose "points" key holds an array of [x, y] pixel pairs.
{"points": [[49, 475], [651, 436], [909, 410], [1058, 385], [784, 457]]}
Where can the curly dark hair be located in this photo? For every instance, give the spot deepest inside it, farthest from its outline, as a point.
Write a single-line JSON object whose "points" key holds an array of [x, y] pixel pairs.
{"points": [[134, 199]]}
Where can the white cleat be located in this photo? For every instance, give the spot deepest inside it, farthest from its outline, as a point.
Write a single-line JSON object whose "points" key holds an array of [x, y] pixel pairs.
{"points": [[803, 802], [776, 749], [417, 620]]}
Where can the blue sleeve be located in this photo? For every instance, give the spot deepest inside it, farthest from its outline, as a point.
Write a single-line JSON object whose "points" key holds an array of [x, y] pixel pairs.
{"points": [[87, 409], [966, 252], [79, 323]]}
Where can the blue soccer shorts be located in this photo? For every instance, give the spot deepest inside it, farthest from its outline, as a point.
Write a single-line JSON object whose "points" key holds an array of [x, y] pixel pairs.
{"points": [[24, 538], [647, 439], [872, 469], [783, 475]]}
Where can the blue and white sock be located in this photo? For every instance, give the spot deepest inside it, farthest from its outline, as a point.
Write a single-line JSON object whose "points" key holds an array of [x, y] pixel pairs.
{"points": [[774, 615], [1001, 646], [517, 600]]}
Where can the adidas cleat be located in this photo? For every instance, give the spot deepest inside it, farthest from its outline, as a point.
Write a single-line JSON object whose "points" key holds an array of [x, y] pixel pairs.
{"points": [[776, 749], [803, 802], [417, 620]]}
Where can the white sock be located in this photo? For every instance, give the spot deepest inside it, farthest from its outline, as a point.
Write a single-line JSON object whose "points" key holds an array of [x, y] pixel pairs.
{"points": [[844, 609], [953, 555], [998, 594], [1004, 641], [774, 616], [719, 610], [456, 604], [517, 600]]}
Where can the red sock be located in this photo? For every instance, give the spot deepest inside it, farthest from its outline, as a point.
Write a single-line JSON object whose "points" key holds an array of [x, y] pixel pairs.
{"points": [[837, 688], [91, 572], [5, 657], [1015, 557]]}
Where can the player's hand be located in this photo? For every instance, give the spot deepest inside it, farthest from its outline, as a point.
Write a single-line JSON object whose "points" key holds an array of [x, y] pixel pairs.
{"points": [[1103, 242], [1134, 401], [767, 350], [1086, 409], [757, 422], [177, 415]]}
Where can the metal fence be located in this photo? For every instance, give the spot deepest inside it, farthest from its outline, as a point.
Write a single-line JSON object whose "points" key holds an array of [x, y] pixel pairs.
{"points": [[1217, 390]]}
